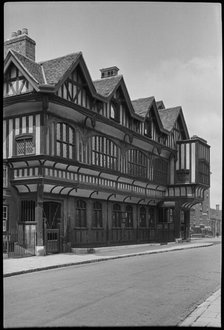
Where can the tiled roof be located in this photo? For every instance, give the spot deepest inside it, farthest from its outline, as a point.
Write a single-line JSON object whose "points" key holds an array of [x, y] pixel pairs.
{"points": [[33, 68], [55, 69], [169, 117], [141, 106], [106, 86]]}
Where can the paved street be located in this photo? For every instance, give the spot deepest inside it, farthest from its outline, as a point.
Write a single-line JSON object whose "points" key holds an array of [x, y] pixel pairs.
{"points": [[158, 289]]}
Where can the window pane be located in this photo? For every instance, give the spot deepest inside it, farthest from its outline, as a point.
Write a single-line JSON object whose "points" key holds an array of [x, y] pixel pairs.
{"points": [[29, 146], [20, 148]]}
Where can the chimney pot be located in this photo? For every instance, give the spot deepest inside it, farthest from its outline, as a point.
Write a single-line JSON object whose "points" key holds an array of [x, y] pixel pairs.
{"points": [[19, 32], [14, 34], [24, 31]]}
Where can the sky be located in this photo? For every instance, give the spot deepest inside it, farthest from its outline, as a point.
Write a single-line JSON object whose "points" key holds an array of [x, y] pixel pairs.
{"points": [[169, 50]]}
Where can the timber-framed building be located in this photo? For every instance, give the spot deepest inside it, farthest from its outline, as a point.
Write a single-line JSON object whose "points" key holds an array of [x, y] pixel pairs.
{"points": [[86, 166]]}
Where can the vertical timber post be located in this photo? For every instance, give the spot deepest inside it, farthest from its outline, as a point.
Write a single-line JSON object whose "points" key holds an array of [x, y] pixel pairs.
{"points": [[177, 222], [40, 242]]}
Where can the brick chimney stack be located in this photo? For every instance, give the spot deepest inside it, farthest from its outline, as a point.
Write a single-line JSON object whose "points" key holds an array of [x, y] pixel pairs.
{"points": [[22, 43], [109, 72]]}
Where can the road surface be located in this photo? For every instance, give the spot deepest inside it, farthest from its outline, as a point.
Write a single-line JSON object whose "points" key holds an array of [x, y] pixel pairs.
{"points": [[150, 290]]}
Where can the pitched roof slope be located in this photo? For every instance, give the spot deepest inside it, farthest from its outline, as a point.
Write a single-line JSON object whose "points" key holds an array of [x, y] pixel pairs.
{"points": [[56, 68], [141, 106], [33, 68], [106, 86], [169, 117]]}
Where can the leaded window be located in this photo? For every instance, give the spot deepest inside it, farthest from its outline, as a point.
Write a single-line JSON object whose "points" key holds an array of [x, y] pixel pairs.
{"points": [[65, 140], [24, 145], [80, 213]]}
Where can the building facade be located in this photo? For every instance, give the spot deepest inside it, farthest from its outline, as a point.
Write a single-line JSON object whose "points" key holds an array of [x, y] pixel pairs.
{"points": [[84, 165], [205, 221]]}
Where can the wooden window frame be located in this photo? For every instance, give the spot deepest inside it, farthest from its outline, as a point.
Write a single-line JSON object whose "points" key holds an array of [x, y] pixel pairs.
{"points": [[24, 138], [136, 163], [97, 221], [116, 216], [27, 210], [64, 141], [81, 214], [105, 153]]}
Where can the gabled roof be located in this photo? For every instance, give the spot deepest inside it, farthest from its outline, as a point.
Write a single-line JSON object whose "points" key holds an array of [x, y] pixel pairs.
{"points": [[106, 86], [144, 105], [51, 73], [31, 67], [169, 117], [141, 106], [55, 69], [47, 72]]}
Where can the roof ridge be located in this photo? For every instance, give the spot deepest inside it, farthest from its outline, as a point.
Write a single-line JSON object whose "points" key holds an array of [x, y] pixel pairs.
{"points": [[143, 98], [103, 79], [56, 58], [171, 108]]}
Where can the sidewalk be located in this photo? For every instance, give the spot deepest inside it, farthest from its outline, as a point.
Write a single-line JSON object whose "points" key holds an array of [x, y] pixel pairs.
{"points": [[207, 314], [18, 266]]}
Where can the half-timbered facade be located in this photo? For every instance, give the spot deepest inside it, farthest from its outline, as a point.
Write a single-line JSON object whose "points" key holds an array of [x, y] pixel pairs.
{"points": [[84, 165]]}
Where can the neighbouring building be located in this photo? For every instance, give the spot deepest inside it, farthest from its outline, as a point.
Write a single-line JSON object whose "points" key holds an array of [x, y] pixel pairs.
{"points": [[84, 165], [205, 220]]}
